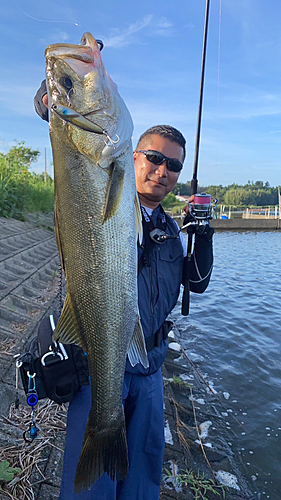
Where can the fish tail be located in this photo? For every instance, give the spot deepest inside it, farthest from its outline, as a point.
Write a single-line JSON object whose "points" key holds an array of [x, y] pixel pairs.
{"points": [[101, 452]]}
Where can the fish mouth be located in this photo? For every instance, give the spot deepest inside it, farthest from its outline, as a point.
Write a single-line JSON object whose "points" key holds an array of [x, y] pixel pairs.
{"points": [[82, 58]]}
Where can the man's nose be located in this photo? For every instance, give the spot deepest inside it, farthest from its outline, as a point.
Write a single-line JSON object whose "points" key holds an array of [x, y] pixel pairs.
{"points": [[162, 169]]}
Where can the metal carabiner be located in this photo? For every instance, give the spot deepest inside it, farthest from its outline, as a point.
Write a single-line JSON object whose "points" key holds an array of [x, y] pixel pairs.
{"points": [[51, 354], [159, 236]]}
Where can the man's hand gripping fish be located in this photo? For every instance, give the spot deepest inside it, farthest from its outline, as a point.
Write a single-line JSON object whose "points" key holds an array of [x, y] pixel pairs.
{"points": [[97, 220]]}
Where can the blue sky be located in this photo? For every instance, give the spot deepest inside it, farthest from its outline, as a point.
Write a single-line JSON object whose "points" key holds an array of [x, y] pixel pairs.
{"points": [[153, 52]]}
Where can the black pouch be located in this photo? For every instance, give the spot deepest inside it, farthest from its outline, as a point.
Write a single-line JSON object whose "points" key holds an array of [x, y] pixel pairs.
{"points": [[55, 371]]}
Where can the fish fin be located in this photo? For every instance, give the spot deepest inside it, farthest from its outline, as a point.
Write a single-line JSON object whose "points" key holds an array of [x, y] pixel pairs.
{"points": [[57, 233], [114, 190], [138, 220], [67, 330], [137, 350], [101, 452]]}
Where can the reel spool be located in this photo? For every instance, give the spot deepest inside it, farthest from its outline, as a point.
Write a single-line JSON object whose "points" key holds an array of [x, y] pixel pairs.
{"points": [[201, 208]]}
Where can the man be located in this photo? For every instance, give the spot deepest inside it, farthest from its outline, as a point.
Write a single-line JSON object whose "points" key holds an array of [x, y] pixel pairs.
{"points": [[158, 158]]}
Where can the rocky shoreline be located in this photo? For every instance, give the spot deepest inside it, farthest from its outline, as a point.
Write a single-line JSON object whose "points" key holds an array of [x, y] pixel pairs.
{"points": [[28, 292], [194, 441]]}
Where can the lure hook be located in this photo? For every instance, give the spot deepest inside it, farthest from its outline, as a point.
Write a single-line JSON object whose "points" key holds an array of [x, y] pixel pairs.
{"points": [[110, 140]]}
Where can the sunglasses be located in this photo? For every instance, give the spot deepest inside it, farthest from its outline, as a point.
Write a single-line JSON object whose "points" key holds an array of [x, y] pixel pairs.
{"points": [[158, 158]]}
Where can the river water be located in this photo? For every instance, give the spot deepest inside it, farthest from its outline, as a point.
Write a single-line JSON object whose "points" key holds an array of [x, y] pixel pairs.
{"points": [[233, 333]]}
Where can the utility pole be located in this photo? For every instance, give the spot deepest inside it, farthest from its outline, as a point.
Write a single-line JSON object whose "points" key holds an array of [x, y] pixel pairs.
{"points": [[279, 198], [45, 171]]}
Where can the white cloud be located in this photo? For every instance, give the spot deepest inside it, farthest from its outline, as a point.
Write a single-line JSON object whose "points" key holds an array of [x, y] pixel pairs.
{"points": [[164, 23], [120, 39], [57, 37], [163, 27]]}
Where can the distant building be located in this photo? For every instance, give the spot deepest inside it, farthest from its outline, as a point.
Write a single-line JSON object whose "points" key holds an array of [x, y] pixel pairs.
{"points": [[182, 199]]}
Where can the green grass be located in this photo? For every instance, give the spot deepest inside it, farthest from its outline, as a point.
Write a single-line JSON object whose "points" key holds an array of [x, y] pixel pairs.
{"points": [[199, 485], [22, 191], [6, 472]]}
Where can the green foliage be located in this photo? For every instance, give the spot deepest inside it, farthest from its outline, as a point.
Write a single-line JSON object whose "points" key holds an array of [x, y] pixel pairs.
{"points": [[7, 473], [21, 157], [215, 191], [257, 194], [21, 190], [179, 382], [197, 483], [182, 188], [169, 201]]}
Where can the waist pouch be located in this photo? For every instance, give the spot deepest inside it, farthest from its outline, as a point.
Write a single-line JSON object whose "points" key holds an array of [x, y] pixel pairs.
{"points": [[161, 334], [52, 370]]}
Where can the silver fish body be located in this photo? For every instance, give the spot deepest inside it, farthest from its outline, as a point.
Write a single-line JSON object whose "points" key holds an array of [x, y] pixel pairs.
{"points": [[97, 218]]}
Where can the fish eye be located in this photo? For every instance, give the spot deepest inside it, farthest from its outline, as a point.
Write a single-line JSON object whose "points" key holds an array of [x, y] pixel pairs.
{"points": [[66, 82], [100, 44]]}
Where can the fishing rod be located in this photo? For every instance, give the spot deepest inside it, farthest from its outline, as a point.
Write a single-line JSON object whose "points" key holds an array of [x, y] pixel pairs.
{"points": [[194, 180]]}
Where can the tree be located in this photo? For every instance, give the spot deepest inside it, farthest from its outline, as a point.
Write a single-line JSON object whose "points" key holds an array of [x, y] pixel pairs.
{"points": [[169, 201], [182, 188], [21, 156], [21, 190]]}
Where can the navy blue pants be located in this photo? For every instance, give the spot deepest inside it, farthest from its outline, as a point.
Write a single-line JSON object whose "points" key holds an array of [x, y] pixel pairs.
{"points": [[144, 413]]}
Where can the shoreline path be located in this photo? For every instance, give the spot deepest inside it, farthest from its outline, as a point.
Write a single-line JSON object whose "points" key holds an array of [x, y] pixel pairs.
{"points": [[29, 283]]}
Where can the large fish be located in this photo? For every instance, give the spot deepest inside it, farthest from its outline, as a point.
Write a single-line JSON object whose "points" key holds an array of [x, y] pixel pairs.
{"points": [[97, 219]]}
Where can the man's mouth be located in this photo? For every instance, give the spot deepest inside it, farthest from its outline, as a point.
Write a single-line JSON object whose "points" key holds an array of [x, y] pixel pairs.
{"points": [[157, 181]]}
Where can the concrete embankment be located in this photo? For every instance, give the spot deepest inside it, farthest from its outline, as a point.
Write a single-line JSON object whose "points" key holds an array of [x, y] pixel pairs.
{"points": [[242, 224], [28, 292]]}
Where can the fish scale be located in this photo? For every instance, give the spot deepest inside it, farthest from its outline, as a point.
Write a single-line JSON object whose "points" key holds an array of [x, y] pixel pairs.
{"points": [[97, 219]]}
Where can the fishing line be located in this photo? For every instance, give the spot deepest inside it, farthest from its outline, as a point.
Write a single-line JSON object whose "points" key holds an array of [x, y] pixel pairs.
{"points": [[218, 95], [43, 20]]}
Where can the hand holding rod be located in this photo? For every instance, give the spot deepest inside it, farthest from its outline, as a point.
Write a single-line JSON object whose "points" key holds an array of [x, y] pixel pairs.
{"points": [[194, 181]]}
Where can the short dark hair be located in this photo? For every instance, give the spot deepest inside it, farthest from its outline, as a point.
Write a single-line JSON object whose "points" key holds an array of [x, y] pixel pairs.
{"points": [[166, 131]]}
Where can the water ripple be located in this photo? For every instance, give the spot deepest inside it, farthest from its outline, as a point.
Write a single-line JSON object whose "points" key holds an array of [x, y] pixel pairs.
{"points": [[234, 328]]}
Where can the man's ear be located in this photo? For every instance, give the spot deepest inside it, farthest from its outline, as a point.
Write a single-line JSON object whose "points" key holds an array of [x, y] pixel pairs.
{"points": [[45, 100], [135, 155]]}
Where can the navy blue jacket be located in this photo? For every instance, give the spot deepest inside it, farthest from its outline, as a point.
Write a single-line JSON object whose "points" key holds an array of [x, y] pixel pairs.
{"points": [[159, 285]]}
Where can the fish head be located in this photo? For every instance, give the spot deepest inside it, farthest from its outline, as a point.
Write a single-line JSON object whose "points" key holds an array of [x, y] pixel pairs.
{"points": [[93, 117]]}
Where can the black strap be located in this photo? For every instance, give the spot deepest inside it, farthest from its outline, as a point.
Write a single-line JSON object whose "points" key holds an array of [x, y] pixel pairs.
{"points": [[161, 334], [148, 226]]}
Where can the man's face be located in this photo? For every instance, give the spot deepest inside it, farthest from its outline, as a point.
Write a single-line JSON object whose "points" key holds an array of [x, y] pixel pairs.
{"points": [[154, 182]]}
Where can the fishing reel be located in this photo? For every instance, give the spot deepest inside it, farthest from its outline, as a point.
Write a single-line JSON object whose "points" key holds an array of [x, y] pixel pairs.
{"points": [[202, 209]]}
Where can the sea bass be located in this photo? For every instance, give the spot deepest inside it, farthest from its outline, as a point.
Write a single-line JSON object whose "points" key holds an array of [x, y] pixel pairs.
{"points": [[97, 219]]}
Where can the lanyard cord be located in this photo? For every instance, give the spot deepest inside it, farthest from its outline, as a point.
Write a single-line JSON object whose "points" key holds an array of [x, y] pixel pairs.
{"points": [[149, 244]]}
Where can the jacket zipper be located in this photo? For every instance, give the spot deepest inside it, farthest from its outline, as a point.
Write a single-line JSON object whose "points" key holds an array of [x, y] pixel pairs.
{"points": [[151, 288]]}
